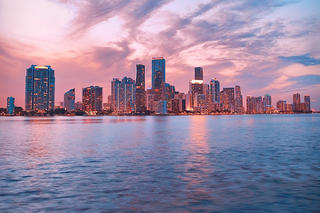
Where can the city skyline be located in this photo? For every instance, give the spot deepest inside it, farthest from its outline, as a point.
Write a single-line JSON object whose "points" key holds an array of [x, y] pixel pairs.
{"points": [[265, 53]]}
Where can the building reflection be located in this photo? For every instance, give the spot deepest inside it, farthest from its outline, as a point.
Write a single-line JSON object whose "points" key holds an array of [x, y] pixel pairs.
{"points": [[198, 167]]}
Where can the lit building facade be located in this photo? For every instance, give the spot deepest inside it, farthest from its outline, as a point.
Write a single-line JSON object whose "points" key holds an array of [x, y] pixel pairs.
{"points": [[254, 105], [140, 89], [92, 99], [10, 105], [238, 100], [40, 89], [69, 100], [227, 99]]}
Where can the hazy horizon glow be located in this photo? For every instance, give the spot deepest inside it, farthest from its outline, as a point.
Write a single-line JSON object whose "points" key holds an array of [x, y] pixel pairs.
{"points": [[264, 46]]}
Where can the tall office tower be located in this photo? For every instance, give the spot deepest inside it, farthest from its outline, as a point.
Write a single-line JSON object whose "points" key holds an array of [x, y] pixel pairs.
{"points": [[92, 99], [238, 100], [267, 103], [307, 103], [78, 106], [158, 72], [296, 102], [69, 100], [215, 91], [115, 95], [282, 106], [40, 86], [127, 95], [227, 99], [10, 105], [140, 89], [198, 73]]}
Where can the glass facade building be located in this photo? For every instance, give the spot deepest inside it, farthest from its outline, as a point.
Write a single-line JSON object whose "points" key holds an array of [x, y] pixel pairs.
{"points": [[40, 88], [10, 105], [158, 72], [69, 100]]}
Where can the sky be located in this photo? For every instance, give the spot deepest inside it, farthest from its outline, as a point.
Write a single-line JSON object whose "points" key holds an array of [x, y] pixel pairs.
{"points": [[266, 46]]}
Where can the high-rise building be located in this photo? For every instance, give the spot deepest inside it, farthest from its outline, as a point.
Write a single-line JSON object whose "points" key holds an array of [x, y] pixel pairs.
{"points": [[238, 100], [69, 100], [215, 91], [227, 99], [127, 95], [40, 86], [140, 89], [296, 102], [307, 103], [123, 95], [254, 105], [10, 105], [158, 72], [267, 103], [198, 73], [195, 88], [92, 99], [115, 94], [282, 106]]}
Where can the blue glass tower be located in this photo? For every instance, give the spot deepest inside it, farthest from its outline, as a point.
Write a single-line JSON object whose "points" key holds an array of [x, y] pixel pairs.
{"points": [[40, 86], [158, 72]]}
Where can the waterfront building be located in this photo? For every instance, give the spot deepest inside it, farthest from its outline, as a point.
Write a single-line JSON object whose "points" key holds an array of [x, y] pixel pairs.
{"points": [[123, 95], [296, 102], [69, 100], [40, 88], [282, 106], [127, 95], [10, 105], [140, 89], [254, 105], [198, 73], [115, 94], [307, 103], [238, 100], [92, 99], [215, 91], [158, 72], [227, 99], [267, 106]]}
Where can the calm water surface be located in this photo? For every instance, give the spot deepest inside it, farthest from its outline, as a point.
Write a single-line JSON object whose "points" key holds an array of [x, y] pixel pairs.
{"points": [[257, 163]]}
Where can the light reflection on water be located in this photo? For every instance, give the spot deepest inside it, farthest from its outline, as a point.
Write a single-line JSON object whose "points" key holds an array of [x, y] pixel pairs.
{"points": [[172, 163]]}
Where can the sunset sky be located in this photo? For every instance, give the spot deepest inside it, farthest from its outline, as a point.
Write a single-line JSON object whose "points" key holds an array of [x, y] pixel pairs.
{"points": [[264, 46]]}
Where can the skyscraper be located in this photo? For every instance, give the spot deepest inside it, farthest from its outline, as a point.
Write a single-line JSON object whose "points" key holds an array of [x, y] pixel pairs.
{"points": [[267, 103], [10, 105], [296, 102], [158, 72], [40, 86], [198, 73], [123, 95], [238, 100], [307, 103], [215, 91], [115, 92], [69, 100], [227, 99], [140, 89], [92, 99], [127, 95]]}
